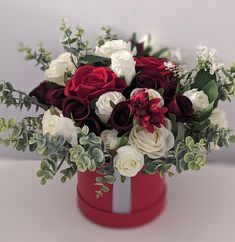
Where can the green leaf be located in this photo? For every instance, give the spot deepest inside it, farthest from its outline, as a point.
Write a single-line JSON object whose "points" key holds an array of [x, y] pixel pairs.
{"points": [[123, 141], [202, 78], [211, 90], [109, 179], [93, 60], [97, 155], [232, 139], [206, 113], [123, 179]]}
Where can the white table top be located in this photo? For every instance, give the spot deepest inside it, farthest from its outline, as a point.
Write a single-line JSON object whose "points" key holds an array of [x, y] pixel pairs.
{"points": [[201, 208]]}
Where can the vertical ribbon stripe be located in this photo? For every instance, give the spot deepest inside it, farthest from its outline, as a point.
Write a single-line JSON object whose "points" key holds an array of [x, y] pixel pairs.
{"points": [[121, 195]]}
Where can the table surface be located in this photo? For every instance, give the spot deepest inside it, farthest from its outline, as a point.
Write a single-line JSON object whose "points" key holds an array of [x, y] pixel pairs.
{"points": [[200, 208]]}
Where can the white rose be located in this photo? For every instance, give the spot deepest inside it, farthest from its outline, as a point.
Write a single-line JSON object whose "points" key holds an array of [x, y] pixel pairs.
{"points": [[57, 68], [123, 64], [104, 106], [128, 160], [110, 139], [149, 41], [219, 117], [112, 46], [198, 98], [152, 94], [59, 125], [154, 145]]}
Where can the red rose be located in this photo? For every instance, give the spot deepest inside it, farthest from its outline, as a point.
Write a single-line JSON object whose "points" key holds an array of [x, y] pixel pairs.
{"points": [[178, 104], [152, 64], [148, 112], [90, 82], [122, 116], [152, 73], [76, 108]]}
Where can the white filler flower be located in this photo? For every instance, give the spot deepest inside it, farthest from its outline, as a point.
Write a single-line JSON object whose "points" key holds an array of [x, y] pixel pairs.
{"points": [[104, 105], [198, 98], [59, 125], [154, 145], [128, 161], [57, 68]]}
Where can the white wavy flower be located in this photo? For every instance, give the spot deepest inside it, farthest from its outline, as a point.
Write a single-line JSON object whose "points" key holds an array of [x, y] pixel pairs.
{"points": [[128, 160], [123, 65], [154, 145], [59, 125], [57, 68], [198, 98], [110, 139], [104, 105], [112, 46], [219, 117]]}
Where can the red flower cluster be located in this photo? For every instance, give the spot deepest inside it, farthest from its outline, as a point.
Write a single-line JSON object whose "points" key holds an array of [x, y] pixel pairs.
{"points": [[148, 112], [76, 98]]}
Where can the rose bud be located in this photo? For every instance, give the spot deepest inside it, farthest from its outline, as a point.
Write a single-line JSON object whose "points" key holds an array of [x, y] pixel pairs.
{"points": [[40, 92], [177, 104], [55, 97], [181, 106], [122, 116], [76, 108], [93, 123]]}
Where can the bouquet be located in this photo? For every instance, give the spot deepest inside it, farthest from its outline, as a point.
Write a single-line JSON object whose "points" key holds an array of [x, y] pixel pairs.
{"points": [[121, 106]]}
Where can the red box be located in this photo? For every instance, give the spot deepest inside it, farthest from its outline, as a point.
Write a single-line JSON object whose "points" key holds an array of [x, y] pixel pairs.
{"points": [[148, 196]]}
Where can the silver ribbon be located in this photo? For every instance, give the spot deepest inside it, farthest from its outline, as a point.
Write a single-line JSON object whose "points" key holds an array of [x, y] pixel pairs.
{"points": [[121, 195]]}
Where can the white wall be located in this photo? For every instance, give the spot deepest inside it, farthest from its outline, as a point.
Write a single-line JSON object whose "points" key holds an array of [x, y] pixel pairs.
{"points": [[180, 23]]}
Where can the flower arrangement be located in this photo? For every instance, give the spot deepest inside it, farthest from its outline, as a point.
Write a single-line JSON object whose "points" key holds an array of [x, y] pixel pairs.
{"points": [[121, 106]]}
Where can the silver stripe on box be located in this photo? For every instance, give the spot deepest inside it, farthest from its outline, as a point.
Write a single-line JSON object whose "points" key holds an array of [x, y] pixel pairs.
{"points": [[121, 195]]}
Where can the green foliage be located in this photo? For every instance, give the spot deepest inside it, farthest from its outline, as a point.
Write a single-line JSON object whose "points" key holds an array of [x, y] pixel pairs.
{"points": [[12, 97], [107, 177], [17, 134], [218, 137], [41, 56], [106, 35], [88, 154], [54, 150], [189, 155], [160, 165], [74, 43]]}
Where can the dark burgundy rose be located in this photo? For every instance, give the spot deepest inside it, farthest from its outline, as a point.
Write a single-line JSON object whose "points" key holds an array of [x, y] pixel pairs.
{"points": [[152, 73], [93, 124], [154, 81], [177, 104], [55, 97], [76, 108], [41, 91], [122, 116], [90, 82]]}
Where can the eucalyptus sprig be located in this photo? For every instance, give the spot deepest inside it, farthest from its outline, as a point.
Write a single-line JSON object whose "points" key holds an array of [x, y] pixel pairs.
{"points": [[17, 134], [188, 155], [9, 96], [40, 55], [107, 35], [74, 43]]}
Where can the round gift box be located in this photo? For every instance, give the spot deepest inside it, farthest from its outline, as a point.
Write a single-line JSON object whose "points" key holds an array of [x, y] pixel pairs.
{"points": [[147, 200]]}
